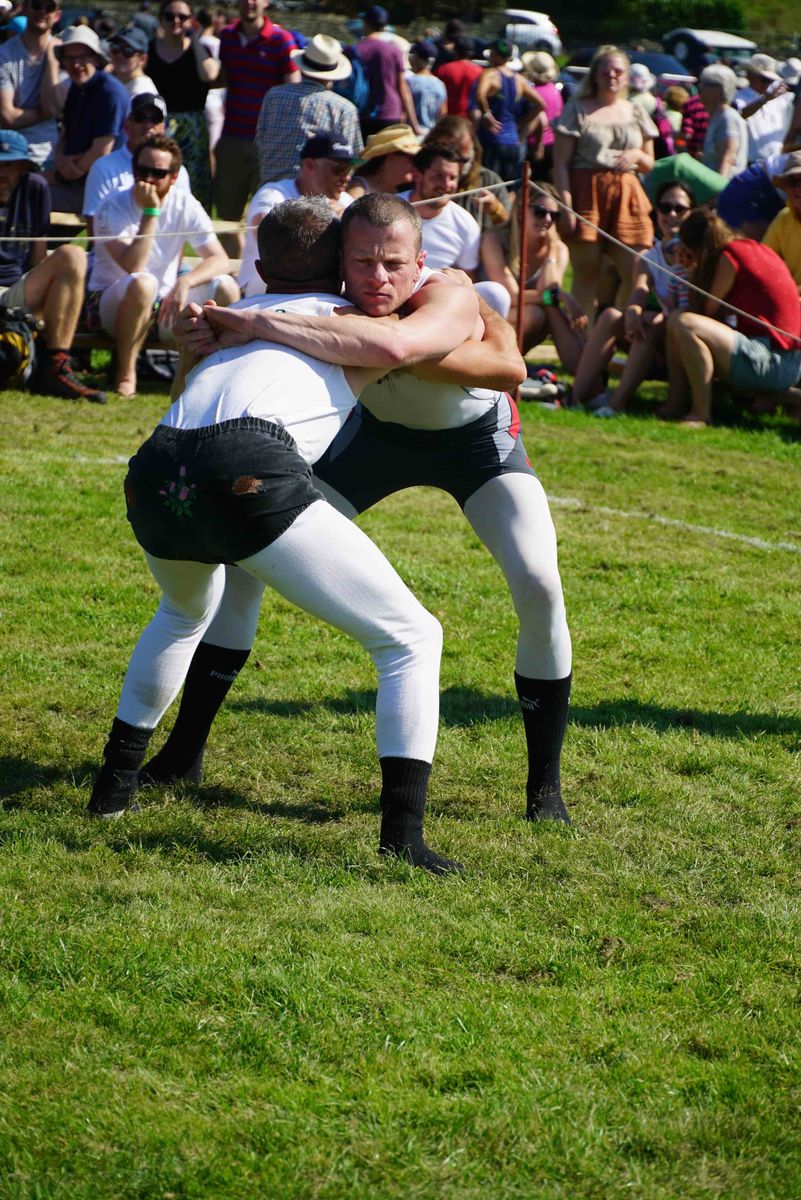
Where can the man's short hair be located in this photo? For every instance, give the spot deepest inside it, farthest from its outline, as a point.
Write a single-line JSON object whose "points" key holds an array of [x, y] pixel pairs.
{"points": [[380, 209], [160, 141], [300, 240], [431, 151]]}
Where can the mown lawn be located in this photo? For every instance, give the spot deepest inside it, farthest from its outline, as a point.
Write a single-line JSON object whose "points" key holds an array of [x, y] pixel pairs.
{"points": [[230, 995]]}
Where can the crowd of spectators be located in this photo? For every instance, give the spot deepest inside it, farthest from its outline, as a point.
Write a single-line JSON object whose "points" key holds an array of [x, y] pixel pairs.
{"points": [[149, 131]]}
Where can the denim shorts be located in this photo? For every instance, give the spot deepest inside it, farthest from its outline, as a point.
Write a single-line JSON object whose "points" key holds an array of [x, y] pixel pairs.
{"points": [[216, 494], [757, 366]]}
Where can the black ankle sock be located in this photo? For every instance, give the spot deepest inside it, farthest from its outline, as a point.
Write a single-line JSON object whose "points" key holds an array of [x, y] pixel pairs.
{"points": [[403, 802], [544, 704], [116, 783], [211, 673]]}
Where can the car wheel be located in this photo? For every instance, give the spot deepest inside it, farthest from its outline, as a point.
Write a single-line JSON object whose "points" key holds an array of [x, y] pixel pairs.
{"points": [[541, 45]]}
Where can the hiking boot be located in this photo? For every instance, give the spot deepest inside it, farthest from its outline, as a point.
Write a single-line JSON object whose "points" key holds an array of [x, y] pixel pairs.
{"points": [[56, 377]]}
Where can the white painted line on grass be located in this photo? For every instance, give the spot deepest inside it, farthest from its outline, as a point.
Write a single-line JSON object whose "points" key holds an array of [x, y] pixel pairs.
{"points": [[658, 519]]}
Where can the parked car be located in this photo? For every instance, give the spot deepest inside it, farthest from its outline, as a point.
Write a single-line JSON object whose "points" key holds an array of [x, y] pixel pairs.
{"points": [[531, 30], [697, 48], [667, 69]]}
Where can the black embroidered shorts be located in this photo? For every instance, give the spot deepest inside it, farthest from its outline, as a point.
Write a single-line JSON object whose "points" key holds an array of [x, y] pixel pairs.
{"points": [[217, 494]]}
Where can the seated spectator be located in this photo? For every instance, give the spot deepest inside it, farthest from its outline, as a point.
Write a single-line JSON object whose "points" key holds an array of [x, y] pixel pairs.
{"points": [[451, 237], [710, 341], [640, 327], [48, 285], [460, 76], [490, 208], [726, 138], [502, 97], [428, 92], [542, 72], [29, 97], [386, 162], [641, 87], [291, 113], [135, 275], [114, 171], [749, 201], [768, 116], [548, 309], [128, 50], [784, 233], [94, 111], [325, 164]]}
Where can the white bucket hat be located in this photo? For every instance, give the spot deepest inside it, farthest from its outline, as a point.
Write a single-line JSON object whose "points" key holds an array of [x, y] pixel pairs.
{"points": [[82, 35], [322, 59]]}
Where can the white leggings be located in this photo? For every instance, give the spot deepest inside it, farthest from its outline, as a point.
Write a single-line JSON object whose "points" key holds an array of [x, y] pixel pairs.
{"points": [[510, 515], [328, 567]]}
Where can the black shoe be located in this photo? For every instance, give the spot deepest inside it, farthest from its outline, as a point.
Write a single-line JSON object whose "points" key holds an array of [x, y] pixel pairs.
{"points": [[160, 771], [56, 377], [112, 794]]}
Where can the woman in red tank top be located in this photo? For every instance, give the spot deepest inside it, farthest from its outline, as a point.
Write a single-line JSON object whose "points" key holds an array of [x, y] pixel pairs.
{"points": [[756, 352]]}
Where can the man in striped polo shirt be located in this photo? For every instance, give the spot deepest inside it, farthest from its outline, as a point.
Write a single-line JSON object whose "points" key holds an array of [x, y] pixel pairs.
{"points": [[255, 55]]}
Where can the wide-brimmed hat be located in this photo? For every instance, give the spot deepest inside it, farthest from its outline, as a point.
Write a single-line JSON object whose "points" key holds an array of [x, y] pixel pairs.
{"points": [[82, 35], [13, 146], [393, 139], [540, 66], [790, 71], [792, 167], [761, 64], [322, 58]]}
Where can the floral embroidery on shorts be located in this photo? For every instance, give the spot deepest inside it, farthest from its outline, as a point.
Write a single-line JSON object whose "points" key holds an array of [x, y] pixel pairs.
{"points": [[179, 495]]}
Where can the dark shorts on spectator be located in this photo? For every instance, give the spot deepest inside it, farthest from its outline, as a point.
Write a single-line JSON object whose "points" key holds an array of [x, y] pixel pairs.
{"points": [[757, 366]]}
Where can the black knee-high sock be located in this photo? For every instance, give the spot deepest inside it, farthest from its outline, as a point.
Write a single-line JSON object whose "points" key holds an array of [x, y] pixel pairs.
{"points": [[544, 704], [211, 673], [115, 785], [403, 802]]}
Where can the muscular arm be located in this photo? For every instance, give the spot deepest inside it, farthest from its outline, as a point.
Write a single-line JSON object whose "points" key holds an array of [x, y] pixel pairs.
{"points": [[442, 319], [494, 362]]}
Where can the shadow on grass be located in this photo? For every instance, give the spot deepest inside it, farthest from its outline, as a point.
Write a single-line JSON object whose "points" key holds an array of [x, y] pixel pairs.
{"points": [[21, 775], [208, 798]]}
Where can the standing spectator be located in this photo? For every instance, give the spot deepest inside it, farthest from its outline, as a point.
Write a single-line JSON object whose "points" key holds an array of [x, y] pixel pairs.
{"points": [[501, 95], [146, 21], [48, 285], [784, 232], [459, 75], [292, 112], [641, 87], [446, 44], [128, 49], [428, 92], [325, 163], [390, 99], [28, 80], [768, 116], [542, 71], [135, 273], [675, 99], [94, 111], [726, 138], [214, 108], [694, 122], [256, 55], [183, 70], [114, 171], [386, 162]]}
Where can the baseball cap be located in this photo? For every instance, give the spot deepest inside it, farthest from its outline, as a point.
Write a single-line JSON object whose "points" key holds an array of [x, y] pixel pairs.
{"points": [[375, 15], [131, 36], [150, 100], [13, 146], [323, 145], [424, 48]]}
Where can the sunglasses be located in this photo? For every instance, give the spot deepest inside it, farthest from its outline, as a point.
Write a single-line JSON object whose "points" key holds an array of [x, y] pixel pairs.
{"points": [[123, 50], [143, 172], [151, 118], [176, 16], [666, 209], [541, 212]]}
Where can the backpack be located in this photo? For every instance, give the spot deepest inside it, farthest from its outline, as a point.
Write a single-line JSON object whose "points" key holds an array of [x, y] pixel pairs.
{"points": [[18, 333], [664, 145], [356, 87]]}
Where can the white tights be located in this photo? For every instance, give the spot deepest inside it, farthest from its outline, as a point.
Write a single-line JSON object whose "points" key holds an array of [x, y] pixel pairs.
{"points": [[328, 567], [510, 515]]}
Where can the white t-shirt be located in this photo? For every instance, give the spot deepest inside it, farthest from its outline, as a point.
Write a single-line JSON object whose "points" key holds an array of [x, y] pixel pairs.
{"points": [[451, 238], [265, 199], [142, 85], [21, 75], [112, 173], [311, 399], [183, 219], [768, 126]]}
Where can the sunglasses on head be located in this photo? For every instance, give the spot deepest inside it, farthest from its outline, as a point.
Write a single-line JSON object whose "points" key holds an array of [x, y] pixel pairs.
{"points": [[144, 172], [540, 211], [666, 209], [176, 16]]}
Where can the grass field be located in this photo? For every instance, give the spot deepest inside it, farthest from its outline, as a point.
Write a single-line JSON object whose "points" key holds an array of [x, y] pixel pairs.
{"points": [[230, 995]]}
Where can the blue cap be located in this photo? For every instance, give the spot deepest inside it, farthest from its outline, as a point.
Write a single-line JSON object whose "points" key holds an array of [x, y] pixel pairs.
{"points": [[376, 15], [13, 146], [328, 145], [425, 48]]}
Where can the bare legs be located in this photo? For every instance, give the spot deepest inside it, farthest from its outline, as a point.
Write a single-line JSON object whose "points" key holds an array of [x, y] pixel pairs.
{"points": [[54, 291], [699, 349]]}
